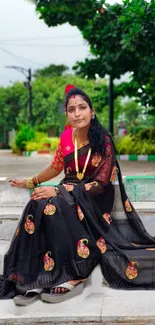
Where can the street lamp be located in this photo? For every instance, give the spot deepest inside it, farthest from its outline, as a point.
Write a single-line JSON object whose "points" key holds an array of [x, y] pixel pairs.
{"points": [[28, 85]]}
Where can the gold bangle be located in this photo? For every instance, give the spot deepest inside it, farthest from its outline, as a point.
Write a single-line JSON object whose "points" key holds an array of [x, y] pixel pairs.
{"points": [[29, 183], [37, 182]]}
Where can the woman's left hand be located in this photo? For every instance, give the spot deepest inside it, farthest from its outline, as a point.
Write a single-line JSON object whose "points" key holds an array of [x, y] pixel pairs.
{"points": [[43, 192]]}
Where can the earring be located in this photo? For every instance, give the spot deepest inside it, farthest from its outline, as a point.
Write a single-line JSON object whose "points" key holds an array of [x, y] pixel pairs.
{"points": [[93, 116]]}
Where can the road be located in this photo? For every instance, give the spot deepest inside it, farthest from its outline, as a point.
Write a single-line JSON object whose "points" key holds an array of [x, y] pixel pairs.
{"points": [[18, 166]]}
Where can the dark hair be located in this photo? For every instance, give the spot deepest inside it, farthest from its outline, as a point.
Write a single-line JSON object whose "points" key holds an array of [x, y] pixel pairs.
{"points": [[96, 133]]}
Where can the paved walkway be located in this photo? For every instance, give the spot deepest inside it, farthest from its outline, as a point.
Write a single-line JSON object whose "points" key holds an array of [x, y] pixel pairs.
{"points": [[18, 166]]}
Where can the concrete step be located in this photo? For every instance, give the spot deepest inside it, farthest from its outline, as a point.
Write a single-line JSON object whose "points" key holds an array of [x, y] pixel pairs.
{"points": [[109, 307], [139, 189], [4, 245], [9, 217], [13, 196]]}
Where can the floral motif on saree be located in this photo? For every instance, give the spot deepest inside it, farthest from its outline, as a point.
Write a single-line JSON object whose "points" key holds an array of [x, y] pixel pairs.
{"points": [[69, 187], [82, 250], [68, 170], [14, 277], [127, 206], [50, 209], [96, 160], [107, 218], [48, 262], [101, 244], [17, 231], [132, 270], [106, 165], [29, 225], [95, 183], [114, 174], [88, 186], [80, 213]]}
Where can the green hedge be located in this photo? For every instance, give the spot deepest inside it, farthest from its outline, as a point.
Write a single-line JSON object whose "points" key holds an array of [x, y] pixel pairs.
{"points": [[129, 145], [142, 143], [27, 139], [42, 144]]}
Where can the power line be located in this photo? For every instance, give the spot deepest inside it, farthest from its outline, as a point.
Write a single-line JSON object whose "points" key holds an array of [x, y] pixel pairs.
{"points": [[45, 45], [18, 57], [39, 38]]}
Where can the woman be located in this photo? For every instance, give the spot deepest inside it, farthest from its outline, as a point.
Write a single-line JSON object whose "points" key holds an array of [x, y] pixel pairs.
{"points": [[66, 231]]}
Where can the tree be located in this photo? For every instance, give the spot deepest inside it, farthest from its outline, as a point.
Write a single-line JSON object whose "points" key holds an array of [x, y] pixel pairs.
{"points": [[51, 71], [48, 94], [11, 100], [121, 37]]}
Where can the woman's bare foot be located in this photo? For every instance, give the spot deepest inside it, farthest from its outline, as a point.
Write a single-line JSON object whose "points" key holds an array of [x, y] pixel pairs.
{"points": [[63, 290]]}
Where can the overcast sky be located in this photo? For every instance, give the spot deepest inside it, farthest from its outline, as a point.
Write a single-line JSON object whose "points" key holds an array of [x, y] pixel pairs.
{"points": [[26, 41]]}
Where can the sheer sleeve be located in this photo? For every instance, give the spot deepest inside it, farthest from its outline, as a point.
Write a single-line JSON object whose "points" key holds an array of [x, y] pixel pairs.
{"points": [[103, 177], [58, 161], [106, 166]]}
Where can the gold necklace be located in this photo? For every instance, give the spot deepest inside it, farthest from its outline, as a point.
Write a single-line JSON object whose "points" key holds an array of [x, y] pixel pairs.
{"points": [[79, 175], [82, 144]]}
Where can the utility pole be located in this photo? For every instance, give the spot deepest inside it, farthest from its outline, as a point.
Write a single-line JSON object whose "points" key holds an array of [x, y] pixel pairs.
{"points": [[111, 106], [30, 96], [28, 85]]}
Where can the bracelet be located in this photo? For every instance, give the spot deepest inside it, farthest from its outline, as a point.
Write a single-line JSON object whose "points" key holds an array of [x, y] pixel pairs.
{"points": [[29, 183]]}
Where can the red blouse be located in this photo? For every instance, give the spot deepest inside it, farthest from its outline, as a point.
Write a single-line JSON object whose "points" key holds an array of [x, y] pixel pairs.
{"points": [[66, 147]]}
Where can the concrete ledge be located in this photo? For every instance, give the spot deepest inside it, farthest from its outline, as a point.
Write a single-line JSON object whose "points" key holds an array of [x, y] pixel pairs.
{"points": [[13, 201], [136, 157], [98, 304], [48, 153], [110, 308], [140, 188]]}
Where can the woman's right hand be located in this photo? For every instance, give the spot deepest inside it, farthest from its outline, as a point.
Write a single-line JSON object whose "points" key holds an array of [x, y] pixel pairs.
{"points": [[17, 182]]}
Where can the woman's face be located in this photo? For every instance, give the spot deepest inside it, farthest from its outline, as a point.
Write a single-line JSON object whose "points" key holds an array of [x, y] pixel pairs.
{"points": [[78, 112]]}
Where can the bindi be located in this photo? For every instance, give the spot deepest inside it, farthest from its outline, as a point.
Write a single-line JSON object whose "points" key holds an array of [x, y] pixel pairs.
{"points": [[74, 97]]}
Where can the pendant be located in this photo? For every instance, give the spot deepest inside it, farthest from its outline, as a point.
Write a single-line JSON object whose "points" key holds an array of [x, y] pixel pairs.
{"points": [[79, 176]]}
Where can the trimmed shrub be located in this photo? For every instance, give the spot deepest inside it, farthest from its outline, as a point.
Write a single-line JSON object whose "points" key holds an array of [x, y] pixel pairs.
{"points": [[131, 145], [54, 143], [25, 134], [41, 144], [147, 134]]}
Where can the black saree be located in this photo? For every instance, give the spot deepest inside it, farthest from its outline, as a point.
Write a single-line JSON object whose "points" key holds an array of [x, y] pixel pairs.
{"points": [[66, 237]]}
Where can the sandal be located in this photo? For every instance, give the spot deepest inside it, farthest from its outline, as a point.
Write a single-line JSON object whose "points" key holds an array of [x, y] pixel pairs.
{"points": [[29, 298], [72, 291]]}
